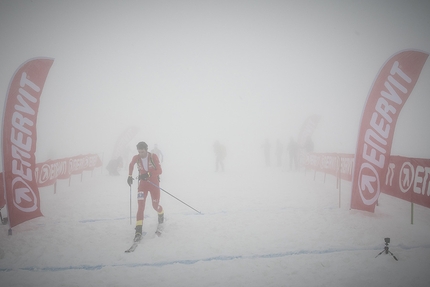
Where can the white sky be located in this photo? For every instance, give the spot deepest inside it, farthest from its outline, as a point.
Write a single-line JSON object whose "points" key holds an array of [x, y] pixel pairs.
{"points": [[192, 72]]}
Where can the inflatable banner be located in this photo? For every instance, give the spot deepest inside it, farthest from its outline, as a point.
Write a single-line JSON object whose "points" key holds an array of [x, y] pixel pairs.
{"points": [[121, 144], [19, 140], [2, 195], [389, 92]]}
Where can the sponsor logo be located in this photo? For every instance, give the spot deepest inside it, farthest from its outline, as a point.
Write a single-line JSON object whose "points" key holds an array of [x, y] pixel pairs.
{"points": [[369, 186], [377, 143], [406, 176], [21, 139]]}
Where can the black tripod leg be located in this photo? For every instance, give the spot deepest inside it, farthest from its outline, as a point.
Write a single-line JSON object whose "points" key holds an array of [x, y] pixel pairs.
{"points": [[393, 255], [380, 253]]}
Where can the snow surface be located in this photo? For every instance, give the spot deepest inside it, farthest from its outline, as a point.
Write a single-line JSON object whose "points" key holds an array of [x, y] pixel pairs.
{"points": [[258, 227]]}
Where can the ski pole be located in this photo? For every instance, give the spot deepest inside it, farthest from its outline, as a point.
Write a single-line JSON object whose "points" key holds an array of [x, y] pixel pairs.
{"points": [[174, 197], [130, 204]]}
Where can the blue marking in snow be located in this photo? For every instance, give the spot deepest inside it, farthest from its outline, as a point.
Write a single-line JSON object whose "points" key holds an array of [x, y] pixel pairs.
{"points": [[107, 219], [209, 259]]}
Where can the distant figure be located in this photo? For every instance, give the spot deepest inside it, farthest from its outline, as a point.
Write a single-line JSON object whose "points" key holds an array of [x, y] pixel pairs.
{"points": [[293, 150], [309, 145], [220, 154], [113, 166], [279, 151], [158, 152], [266, 147]]}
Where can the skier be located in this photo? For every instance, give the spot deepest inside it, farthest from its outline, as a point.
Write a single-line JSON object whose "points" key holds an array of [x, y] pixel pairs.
{"points": [[149, 169]]}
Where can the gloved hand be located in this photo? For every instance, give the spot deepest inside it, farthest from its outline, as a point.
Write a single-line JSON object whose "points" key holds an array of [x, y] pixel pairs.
{"points": [[144, 176], [130, 180]]}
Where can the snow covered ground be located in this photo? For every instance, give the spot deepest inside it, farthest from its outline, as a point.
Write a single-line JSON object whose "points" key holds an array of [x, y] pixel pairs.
{"points": [[259, 227]]}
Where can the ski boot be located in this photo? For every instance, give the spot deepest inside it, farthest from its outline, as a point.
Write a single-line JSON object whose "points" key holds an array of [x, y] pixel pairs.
{"points": [[138, 234], [160, 225]]}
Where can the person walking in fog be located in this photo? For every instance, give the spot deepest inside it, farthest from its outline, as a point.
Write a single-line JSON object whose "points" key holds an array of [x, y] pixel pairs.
{"points": [[149, 168], [279, 151], [158, 152], [293, 150], [114, 165], [220, 154]]}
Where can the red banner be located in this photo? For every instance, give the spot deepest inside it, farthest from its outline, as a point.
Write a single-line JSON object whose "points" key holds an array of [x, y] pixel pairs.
{"points": [[409, 179], [19, 139], [389, 92], [332, 163], [2, 195], [47, 173]]}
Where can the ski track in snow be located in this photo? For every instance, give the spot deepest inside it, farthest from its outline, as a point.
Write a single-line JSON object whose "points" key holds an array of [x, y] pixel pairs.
{"points": [[298, 234], [217, 258]]}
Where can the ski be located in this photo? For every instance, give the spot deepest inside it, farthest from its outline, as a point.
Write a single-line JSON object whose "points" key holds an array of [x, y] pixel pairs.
{"points": [[135, 244], [132, 248]]}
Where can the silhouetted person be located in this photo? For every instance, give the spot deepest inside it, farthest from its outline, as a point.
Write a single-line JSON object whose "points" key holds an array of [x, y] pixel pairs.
{"points": [[309, 145], [220, 154], [113, 166], [293, 150], [279, 151]]}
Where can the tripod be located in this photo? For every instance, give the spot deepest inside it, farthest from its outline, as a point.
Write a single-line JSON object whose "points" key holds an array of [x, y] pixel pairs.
{"points": [[386, 250]]}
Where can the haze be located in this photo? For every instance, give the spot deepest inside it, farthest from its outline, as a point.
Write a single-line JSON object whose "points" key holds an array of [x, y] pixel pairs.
{"points": [[188, 73]]}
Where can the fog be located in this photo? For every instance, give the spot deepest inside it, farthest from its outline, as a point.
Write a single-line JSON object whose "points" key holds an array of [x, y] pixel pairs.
{"points": [[187, 73]]}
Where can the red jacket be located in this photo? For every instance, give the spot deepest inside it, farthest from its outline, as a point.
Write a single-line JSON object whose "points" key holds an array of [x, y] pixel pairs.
{"points": [[154, 167]]}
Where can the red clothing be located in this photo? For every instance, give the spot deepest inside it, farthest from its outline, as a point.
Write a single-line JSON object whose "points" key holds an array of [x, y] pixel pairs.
{"points": [[153, 167]]}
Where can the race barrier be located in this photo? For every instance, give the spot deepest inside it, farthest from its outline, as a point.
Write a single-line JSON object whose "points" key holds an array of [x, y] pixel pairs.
{"points": [[406, 178], [47, 173]]}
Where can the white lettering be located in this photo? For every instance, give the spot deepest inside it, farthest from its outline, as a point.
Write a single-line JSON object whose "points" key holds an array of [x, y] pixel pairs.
{"points": [[396, 70], [383, 108], [421, 182], [19, 122], [26, 82], [392, 95]]}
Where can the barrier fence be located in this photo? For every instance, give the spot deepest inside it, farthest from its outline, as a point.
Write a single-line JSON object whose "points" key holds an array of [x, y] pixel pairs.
{"points": [[407, 178]]}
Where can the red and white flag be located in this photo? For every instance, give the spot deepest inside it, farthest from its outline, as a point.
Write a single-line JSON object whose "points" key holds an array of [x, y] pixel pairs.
{"points": [[389, 92], [19, 139]]}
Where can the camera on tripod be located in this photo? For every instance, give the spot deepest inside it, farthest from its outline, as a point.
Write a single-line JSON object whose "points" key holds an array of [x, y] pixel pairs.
{"points": [[386, 249]]}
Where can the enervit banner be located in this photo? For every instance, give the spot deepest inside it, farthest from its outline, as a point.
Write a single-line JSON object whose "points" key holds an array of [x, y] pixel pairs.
{"points": [[409, 179], [2, 195], [47, 173], [337, 164], [389, 92], [19, 139]]}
